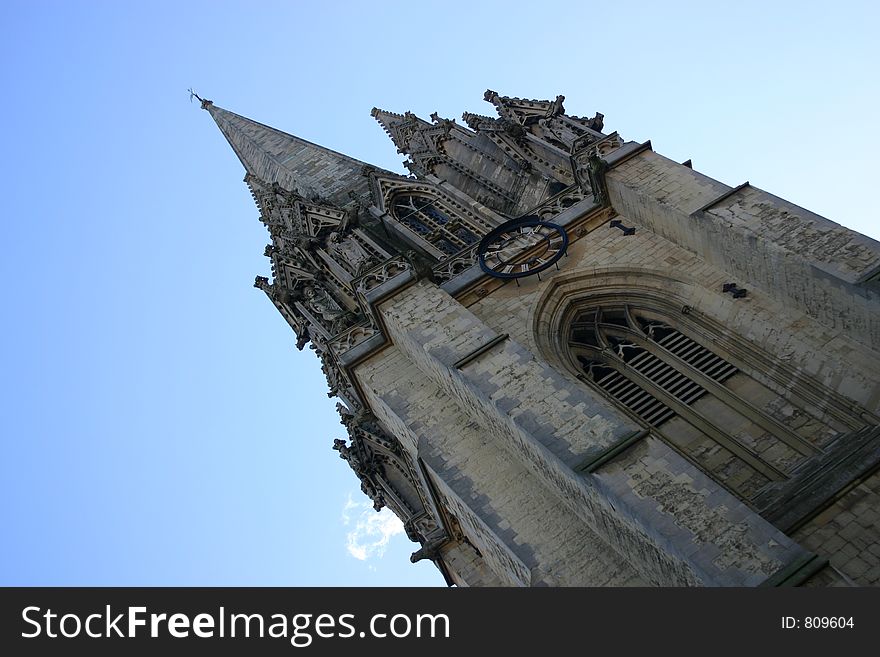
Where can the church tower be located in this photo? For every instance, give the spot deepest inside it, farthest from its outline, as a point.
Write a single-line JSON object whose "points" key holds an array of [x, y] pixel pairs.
{"points": [[563, 359]]}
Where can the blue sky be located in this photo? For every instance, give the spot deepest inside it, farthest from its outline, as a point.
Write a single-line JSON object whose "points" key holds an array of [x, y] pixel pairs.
{"points": [[158, 425]]}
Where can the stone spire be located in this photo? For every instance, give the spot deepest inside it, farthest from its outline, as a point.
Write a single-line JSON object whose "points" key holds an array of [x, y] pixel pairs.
{"points": [[310, 170]]}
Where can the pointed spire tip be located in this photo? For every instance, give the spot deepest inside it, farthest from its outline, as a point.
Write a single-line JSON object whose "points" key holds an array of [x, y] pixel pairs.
{"points": [[205, 103]]}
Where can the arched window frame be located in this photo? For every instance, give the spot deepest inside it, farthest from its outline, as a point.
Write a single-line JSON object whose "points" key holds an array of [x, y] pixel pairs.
{"points": [[740, 354], [656, 378], [747, 357], [434, 240], [432, 221]]}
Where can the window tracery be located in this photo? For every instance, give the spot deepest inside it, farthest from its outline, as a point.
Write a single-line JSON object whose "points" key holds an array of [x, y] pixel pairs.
{"points": [[434, 222], [705, 406]]}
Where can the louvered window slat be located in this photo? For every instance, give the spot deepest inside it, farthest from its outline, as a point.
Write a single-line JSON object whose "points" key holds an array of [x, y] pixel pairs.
{"points": [[630, 394]]}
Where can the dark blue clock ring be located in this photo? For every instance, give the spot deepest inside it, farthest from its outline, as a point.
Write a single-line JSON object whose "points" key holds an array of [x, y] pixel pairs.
{"points": [[502, 252]]}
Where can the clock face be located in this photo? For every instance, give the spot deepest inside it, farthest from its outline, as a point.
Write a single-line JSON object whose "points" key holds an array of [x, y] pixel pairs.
{"points": [[522, 247]]}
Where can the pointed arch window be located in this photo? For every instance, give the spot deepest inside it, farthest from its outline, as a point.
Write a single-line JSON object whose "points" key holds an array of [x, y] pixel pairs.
{"points": [[431, 220], [715, 414]]}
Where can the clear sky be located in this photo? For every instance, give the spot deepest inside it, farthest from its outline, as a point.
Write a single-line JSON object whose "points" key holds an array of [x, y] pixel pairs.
{"points": [[158, 425]]}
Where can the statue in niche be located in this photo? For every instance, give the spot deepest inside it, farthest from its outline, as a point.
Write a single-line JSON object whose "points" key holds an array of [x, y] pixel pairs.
{"points": [[319, 301], [557, 133], [348, 252]]}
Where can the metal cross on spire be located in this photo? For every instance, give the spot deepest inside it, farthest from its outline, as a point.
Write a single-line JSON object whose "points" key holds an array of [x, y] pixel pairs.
{"points": [[193, 94]]}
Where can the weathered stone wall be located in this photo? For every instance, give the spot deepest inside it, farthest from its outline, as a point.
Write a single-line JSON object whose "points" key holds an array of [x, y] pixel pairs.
{"points": [[606, 259], [649, 506], [798, 258], [467, 567], [848, 532], [522, 531], [792, 325]]}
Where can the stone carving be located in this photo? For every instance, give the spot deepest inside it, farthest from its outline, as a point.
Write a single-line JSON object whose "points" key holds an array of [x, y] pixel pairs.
{"points": [[363, 426], [262, 283], [454, 265], [428, 551], [426, 525], [550, 208], [366, 437], [597, 122], [363, 469], [284, 301], [302, 338], [338, 383], [516, 131], [319, 301], [349, 253], [419, 264], [605, 146], [588, 164], [347, 453], [332, 374], [373, 493], [353, 337], [319, 343], [596, 172], [387, 475], [381, 273]]}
